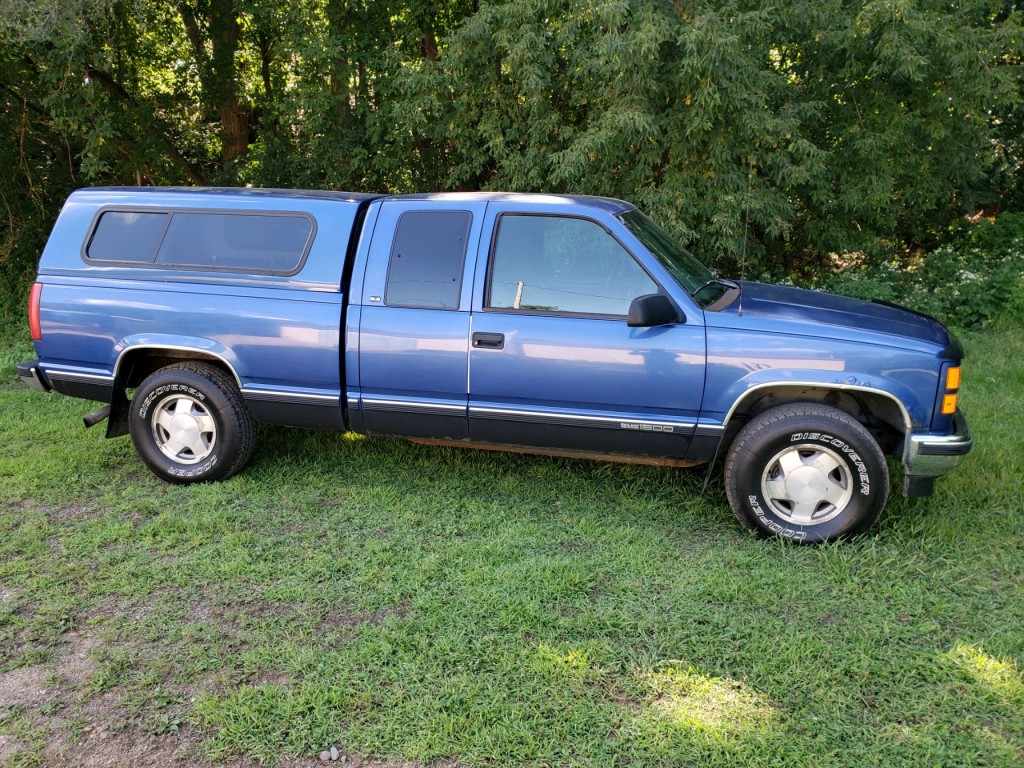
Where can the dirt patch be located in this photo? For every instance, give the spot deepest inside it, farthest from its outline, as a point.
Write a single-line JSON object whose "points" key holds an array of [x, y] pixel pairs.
{"points": [[24, 688], [101, 748], [344, 617], [30, 687], [204, 612], [9, 748], [60, 722], [98, 747], [270, 677], [67, 513], [75, 660], [357, 761], [72, 728]]}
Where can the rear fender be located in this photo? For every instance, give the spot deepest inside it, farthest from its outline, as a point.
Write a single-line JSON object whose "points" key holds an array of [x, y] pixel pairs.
{"points": [[140, 355], [133, 348]]}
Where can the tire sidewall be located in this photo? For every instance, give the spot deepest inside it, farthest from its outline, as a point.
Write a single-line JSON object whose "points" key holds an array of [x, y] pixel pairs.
{"points": [[150, 396], [863, 460]]}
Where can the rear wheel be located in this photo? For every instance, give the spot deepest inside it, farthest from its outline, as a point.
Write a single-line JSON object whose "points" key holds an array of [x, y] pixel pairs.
{"points": [[807, 472], [189, 424]]}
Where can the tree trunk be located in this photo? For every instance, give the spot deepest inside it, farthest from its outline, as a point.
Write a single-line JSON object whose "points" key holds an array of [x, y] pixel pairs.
{"points": [[234, 116], [341, 67], [217, 73]]}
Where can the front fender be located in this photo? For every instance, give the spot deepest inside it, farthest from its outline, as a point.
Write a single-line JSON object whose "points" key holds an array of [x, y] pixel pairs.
{"points": [[744, 361]]}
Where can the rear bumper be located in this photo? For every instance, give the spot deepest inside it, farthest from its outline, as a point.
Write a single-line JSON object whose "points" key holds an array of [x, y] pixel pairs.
{"points": [[933, 455], [30, 376]]}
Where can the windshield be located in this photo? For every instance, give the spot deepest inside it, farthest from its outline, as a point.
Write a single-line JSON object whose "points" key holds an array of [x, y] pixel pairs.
{"points": [[690, 273]]}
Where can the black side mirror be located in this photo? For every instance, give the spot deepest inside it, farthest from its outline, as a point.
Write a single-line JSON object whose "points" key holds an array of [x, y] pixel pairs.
{"points": [[650, 310]]}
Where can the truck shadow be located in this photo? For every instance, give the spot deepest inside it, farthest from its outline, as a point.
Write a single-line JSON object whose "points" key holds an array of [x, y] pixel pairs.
{"points": [[441, 477]]}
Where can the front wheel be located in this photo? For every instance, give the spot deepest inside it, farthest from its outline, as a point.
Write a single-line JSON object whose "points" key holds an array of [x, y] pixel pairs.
{"points": [[189, 424], [806, 472]]}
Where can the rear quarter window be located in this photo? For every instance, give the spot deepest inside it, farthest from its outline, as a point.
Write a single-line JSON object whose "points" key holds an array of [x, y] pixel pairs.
{"points": [[128, 236], [235, 241]]}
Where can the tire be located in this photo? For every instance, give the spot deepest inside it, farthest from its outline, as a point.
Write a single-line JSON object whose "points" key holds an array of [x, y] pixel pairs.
{"points": [[806, 472], [189, 424]]}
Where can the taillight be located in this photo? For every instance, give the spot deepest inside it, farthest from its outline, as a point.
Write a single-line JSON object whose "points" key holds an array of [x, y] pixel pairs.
{"points": [[33, 312]]}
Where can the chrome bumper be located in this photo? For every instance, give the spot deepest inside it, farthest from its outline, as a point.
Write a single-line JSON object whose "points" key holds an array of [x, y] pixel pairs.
{"points": [[29, 374], [933, 455]]}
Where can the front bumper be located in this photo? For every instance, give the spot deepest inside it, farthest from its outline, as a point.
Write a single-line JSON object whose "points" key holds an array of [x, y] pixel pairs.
{"points": [[30, 376], [928, 456]]}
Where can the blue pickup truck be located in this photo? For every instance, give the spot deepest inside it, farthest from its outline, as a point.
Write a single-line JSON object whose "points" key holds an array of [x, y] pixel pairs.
{"points": [[552, 324]]}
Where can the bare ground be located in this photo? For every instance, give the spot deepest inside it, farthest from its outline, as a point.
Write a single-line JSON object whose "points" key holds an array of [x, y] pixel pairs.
{"points": [[69, 726]]}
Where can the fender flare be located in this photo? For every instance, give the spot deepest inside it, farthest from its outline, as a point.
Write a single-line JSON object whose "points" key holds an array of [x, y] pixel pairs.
{"points": [[202, 347], [908, 422]]}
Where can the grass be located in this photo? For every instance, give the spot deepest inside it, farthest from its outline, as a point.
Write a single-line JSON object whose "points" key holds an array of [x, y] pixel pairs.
{"points": [[427, 604]]}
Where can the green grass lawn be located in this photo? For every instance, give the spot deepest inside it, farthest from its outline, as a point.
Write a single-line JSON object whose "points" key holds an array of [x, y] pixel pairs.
{"points": [[428, 604]]}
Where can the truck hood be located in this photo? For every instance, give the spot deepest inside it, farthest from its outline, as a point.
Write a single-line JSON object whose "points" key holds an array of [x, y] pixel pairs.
{"points": [[813, 309]]}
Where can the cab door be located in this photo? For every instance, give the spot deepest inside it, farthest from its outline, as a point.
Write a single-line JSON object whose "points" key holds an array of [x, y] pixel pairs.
{"points": [[552, 361], [414, 322]]}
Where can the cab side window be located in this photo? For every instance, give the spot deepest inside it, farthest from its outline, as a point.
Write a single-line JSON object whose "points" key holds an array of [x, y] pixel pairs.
{"points": [[557, 264], [425, 269]]}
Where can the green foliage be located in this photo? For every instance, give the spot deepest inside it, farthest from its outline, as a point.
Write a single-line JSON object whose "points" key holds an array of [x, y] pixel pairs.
{"points": [[969, 282], [36, 172], [825, 126], [676, 110], [765, 134]]}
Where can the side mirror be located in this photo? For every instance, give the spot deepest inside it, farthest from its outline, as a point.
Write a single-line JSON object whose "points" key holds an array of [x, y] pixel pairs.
{"points": [[650, 310]]}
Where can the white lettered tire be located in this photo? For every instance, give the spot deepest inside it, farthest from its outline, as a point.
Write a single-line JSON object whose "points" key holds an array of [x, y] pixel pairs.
{"points": [[189, 424], [806, 472]]}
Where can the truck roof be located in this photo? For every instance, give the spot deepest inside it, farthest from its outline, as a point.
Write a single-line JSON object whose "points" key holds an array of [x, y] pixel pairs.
{"points": [[604, 203], [256, 192]]}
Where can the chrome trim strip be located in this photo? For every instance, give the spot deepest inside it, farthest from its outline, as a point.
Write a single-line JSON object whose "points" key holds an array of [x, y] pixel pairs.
{"points": [[65, 375], [290, 397], [175, 348], [411, 406], [709, 430], [608, 422], [907, 422]]}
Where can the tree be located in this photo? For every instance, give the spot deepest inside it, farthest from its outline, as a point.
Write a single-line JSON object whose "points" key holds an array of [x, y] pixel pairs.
{"points": [[770, 134], [798, 129]]}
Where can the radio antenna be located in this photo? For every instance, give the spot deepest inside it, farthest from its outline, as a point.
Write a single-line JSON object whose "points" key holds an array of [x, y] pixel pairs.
{"points": [[746, 229], [739, 306]]}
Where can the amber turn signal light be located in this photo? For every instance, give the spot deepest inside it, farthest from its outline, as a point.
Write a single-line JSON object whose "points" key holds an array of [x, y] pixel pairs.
{"points": [[949, 404], [953, 378]]}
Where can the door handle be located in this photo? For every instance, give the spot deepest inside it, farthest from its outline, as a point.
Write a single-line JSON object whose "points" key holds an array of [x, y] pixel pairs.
{"points": [[488, 340]]}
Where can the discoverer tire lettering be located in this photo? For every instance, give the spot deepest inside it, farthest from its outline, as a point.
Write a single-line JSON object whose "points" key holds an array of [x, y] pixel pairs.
{"points": [[189, 424], [807, 472]]}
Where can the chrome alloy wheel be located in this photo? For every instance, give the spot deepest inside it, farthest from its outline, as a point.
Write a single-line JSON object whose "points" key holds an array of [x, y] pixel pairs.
{"points": [[184, 430], [807, 484]]}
